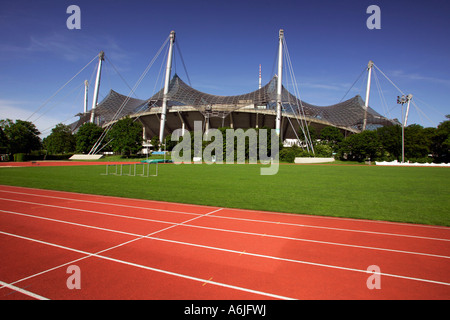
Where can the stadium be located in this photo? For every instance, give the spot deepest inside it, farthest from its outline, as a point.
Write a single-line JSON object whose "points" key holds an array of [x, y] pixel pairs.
{"points": [[179, 105]]}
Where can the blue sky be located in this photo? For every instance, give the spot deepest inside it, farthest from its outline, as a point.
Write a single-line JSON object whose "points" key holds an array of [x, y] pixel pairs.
{"points": [[222, 44]]}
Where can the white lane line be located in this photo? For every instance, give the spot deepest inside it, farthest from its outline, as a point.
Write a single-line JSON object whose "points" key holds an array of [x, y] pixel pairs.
{"points": [[99, 202], [90, 254], [245, 219], [88, 211], [23, 291], [367, 221], [335, 229], [320, 242], [233, 251], [72, 223], [225, 230]]}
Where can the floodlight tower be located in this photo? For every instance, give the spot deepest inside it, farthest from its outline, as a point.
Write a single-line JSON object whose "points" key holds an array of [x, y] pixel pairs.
{"points": [[402, 100], [101, 57], [166, 87], [366, 105], [279, 82]]}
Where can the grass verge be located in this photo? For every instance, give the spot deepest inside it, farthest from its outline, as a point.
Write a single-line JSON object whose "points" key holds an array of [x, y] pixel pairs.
{"points": [[403, 194]]}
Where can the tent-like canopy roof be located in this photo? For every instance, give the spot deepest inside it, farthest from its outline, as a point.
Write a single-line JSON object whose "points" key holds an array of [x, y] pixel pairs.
{"points": [[349, 113]]}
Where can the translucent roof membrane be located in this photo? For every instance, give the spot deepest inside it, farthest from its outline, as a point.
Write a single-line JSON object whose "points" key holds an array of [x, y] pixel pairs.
{"points": [[349, 113]]}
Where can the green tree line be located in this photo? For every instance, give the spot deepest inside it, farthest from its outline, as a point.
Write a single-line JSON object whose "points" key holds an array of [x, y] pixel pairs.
{"points": [[383, 144], [125, 137], [22, 138]]}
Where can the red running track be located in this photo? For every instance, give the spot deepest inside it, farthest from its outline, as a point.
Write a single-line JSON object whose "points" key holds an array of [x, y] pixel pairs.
{"points": [[139, 249], [60, 163]]}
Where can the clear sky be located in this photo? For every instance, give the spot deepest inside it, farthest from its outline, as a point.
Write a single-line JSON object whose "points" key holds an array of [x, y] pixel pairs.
{"points": [[222, 44]]}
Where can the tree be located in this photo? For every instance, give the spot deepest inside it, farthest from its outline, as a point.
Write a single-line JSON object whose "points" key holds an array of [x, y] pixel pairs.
{"points": [[441, 142], [20, 136], [361, 146], [86, 136], [391, 140], [155, 142], [331, 136], [4, 142], [61, 140], [418, 142], [169, 144], [312, 131], [126, 136]]}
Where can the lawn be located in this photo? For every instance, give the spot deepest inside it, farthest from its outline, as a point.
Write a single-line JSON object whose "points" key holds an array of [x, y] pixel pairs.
{"points": [[405, 194]]}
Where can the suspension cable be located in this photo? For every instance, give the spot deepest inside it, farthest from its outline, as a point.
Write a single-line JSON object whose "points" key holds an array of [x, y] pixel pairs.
{"points": [[357, 79], [61, 88], [381, 95], [123, 79], [388, 79], [182, 61], [301, 119]]}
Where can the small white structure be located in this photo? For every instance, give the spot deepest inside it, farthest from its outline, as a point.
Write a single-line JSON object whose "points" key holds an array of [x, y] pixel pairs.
{"points": [[312, 160], [86, 157], [410, 164]]}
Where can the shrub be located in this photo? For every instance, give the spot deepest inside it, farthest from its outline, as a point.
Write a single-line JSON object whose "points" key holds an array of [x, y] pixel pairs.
{"points": [[323, 150], [287, 155], [19, 157]]}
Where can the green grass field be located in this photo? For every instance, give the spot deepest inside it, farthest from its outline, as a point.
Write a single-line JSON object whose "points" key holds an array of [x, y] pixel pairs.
{"points": [[413, 194]]}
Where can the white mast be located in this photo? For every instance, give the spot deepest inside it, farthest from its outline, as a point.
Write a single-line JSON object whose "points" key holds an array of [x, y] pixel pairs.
{"points": [[408, 97], [259, 77], [166, 87], [101, 57], [279, 82], [366, 105], [86, 85]]}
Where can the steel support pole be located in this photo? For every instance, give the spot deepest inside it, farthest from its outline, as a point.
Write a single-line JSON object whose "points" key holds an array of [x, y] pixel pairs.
{"points": [[166, 88], [366, 105], [408, 97], [86, 86], [279, 82], [101, 57]]}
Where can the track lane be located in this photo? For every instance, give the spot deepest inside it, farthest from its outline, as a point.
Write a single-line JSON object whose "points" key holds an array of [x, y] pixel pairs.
{"points": [[21, 259]]}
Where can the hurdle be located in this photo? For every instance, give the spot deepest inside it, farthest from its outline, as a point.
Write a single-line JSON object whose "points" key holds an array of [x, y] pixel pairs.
{"points": [[132, 169], [144, 166], [107, 173]]}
